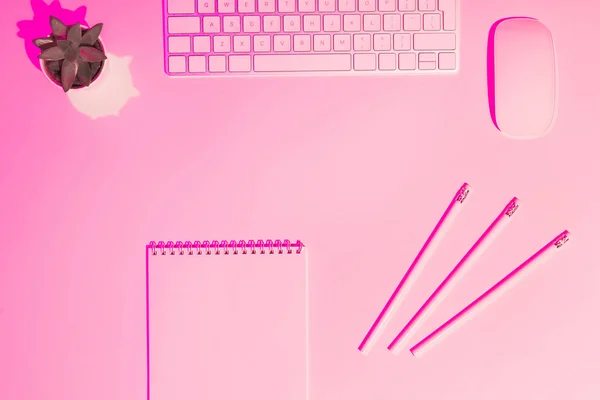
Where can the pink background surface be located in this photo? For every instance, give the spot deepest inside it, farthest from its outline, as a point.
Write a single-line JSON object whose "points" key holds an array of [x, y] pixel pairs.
{"points": [[358, 168]]}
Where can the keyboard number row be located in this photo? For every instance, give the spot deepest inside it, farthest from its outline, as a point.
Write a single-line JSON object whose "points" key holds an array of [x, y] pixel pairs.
{"points": [[290, 6], [306, 43], [308, 23]]}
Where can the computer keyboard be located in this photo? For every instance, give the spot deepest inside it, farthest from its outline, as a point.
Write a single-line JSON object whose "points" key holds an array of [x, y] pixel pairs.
{"points": [[300, 37]]}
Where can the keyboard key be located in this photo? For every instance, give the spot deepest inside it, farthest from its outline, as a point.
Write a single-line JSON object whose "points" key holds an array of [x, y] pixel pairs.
{"points": [[406, 5], [231, 24], [217, 63], [282, 43], [222, 44], [201, 44], [447, 61], [206, 6], [251, 23], [365, 62], [327, 5], [241, 44], [246, 6], [302, 43], [434, 41], [177, 64], [212, 24], [382, 42], [427, 61], [302, 62], [407, 61], [362, 42], [291, 23], [265, 6], [312, 23], [351, 23], [372, 23], [183, 24], [366, 5], [179, 44], [197, 63], [181, 6], [332, 23], [226, 6], [262, 43], [272, 23], [401, 41], [391, 22], [412, 22], [240, 63], [387, 62], [427, 56], [322, 43], [387, 5], [306, 5], [286, 6], [341, 42], [347, 5], [427, 5], [432, 22], [448, 9]]}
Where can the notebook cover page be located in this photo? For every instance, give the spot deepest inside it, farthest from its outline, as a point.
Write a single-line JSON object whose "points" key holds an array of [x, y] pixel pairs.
{"points": [[227, 326]]}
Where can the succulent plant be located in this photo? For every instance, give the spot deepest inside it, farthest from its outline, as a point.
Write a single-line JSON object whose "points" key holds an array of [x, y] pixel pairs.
{"points": [[75, 54]]}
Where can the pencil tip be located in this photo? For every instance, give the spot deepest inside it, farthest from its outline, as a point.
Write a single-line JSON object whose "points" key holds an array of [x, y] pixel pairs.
{"points": [[462, 193], [561, 239], [512, 207]]}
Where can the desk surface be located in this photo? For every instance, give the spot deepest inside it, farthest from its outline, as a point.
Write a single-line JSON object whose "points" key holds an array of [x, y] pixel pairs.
{"points": [[358, 168]]}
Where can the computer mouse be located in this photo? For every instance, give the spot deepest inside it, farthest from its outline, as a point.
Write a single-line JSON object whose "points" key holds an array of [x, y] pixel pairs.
{"points": [[522, 77]]}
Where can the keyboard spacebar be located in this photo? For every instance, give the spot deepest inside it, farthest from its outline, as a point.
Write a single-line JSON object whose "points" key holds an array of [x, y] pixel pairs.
{"points": [[302, 62]]}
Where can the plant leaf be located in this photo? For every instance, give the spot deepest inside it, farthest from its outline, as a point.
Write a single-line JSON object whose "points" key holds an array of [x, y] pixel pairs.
{"points": [[58, 27], [68, 74], [52, 54], [95, 68], [92, 35], [74, 35], [43, 41], [63, 45], [84, 73], [91, 54]]}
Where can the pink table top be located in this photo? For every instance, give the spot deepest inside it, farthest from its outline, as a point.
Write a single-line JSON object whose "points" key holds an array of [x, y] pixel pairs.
{"points": [[358, 168]]}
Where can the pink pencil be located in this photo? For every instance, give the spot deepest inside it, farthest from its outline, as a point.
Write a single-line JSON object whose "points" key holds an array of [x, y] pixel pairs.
{"points": [[455, 275], [491, 294], [415, 269]]}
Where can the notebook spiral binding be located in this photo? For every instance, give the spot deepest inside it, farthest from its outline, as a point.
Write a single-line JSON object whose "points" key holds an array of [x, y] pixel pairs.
{"points": [[225, 247]]}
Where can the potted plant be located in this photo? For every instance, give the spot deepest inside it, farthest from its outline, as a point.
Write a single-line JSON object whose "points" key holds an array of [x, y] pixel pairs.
{"points": [[72, 56]]}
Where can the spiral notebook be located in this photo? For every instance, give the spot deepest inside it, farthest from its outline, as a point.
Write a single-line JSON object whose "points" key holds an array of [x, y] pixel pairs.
{"points": [[227, 320]]}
